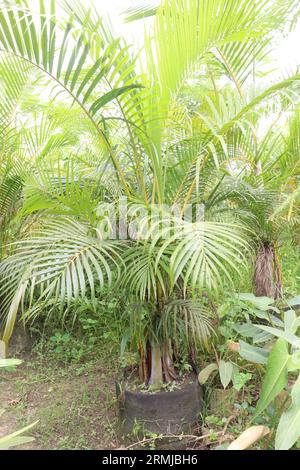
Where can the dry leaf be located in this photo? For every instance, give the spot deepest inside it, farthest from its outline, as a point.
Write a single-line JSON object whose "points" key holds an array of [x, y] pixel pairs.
{"points": [[14, 402], [234, 347], [249, 437]]}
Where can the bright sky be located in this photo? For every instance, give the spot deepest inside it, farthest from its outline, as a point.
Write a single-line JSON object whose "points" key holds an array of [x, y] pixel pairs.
{"points": [[287, 54], [289, 51], [133, 32]]}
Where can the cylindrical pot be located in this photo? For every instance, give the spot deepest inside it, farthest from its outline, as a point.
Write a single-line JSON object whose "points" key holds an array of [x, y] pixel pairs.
{"points": [[168, 412]]}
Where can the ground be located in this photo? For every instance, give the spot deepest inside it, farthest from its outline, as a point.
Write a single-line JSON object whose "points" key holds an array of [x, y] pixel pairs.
{"points": [[75, 405]]}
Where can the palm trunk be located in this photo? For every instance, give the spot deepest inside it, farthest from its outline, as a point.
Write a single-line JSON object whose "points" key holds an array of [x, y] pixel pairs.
{"points": [[167, 363], [158, 367], [267, 275], [156, 376], [143, 366], [156, 364]]}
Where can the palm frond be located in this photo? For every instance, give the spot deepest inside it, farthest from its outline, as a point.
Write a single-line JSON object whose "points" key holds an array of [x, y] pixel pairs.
{"points": [[205, 254], [67, 60], [15, 74], [140, 11], [189, 319], [62, 262], [144, 277]]}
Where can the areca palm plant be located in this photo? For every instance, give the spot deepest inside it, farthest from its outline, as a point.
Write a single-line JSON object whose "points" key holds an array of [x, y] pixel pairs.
{"points": [[124, 204], [270, 172], [10, 166]]}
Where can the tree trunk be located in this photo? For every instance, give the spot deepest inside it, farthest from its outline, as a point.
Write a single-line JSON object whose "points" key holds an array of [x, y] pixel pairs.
{"points": [[267, 274], [156, 376], [143, 366], [169, 373], [159, 367]]}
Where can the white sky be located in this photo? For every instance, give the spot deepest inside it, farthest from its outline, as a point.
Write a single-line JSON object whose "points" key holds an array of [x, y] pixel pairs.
{"points": [[289, 51], [287, 55]]}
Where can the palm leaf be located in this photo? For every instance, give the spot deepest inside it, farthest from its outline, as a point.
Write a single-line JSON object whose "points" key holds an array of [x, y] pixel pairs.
{"points": [[62, 262]]}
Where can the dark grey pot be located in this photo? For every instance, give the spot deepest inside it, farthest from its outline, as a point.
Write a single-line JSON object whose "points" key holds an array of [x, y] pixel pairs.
{"points": [[168, 413]]}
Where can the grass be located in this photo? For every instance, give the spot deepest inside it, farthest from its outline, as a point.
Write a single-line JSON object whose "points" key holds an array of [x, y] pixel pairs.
{"points": [[77, 410], [75, 404]]}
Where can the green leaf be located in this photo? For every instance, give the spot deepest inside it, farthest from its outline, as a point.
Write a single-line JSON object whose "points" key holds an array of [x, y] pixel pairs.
{"points": [[288, 430], [240, 379], [110, 96], [272, 319], [291, 321], [206, 372], [253, 353], [289, 337], [295, 393], [140, 11], [226, 372], [262, 303], [246, 329], [16, 441], [294, 362], [250, 331], [276, 376], [295, 301], [262, 337]]}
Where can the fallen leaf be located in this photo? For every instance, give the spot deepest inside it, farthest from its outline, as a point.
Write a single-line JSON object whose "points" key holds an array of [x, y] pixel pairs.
{"points": [[249, 437], [14, 402]]}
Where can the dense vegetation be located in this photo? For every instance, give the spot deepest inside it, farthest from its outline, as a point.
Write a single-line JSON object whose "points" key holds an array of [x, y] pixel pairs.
{"points": [[149, 200]]}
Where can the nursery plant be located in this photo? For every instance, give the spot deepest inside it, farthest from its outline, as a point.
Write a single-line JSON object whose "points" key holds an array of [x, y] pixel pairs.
{"points": [[154, 202]]}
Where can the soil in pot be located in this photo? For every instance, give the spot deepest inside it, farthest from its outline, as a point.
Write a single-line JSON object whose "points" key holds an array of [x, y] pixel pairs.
{"points": [[171, 411]]}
